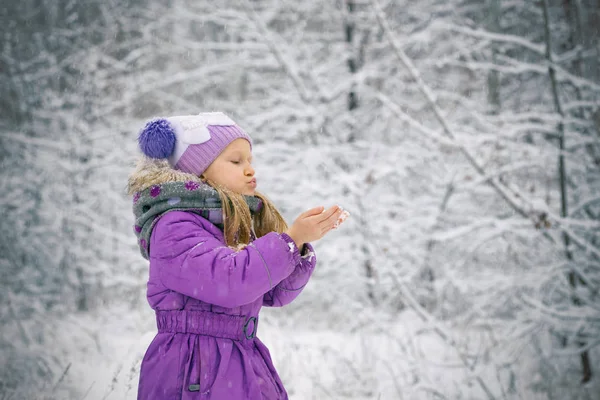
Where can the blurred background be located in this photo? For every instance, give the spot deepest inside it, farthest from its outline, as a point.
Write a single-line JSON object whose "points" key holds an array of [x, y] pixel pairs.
{"points": [[463, 136]]}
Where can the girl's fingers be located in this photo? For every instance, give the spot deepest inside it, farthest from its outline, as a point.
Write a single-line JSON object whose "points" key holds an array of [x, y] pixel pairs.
{"points": [[338, 218], [326, 230], [327, 214], [331, 219], [312, 211]]}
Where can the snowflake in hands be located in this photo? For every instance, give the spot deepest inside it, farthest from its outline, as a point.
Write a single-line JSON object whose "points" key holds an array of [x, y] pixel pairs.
{"points": [[341, 219]]}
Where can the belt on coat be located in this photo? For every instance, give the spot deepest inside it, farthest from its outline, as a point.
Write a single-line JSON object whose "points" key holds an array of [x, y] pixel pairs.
{"points": [[207, 323]]}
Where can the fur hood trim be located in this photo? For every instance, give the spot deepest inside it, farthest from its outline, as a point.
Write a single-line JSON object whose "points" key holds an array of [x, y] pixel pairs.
{"points": [[151, 171]]}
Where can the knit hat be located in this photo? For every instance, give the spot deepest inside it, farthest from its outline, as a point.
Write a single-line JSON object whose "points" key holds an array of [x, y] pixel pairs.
{"points": [[190, 142]]}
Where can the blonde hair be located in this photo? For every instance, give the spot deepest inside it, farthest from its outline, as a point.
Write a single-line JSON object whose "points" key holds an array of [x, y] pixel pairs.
{"points": [[238, 221]]}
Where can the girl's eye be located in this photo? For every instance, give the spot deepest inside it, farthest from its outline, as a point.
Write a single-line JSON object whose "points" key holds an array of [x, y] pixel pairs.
{"points": [[235, 162]]}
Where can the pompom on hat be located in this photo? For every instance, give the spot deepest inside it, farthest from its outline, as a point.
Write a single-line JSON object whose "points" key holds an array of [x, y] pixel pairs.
{"points": [[190, 142]]}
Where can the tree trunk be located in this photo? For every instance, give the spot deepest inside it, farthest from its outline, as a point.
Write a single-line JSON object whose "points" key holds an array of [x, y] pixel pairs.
{"points": [[493, 80], [349, 28], [573, 279]]}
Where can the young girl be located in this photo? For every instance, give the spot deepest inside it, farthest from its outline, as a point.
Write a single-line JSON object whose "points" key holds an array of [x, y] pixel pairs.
{"points": [[218, 252]]}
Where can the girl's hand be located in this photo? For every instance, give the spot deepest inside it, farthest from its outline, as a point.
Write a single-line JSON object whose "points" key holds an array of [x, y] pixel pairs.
{"points": [[313, 224]]}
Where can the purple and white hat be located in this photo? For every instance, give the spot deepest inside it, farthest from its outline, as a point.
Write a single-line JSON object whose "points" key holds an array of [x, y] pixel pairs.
{"points": [[190, 142]]}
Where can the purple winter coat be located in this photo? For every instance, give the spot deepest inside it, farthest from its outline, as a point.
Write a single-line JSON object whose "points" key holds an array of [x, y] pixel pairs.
{"points": [[207, 299]]}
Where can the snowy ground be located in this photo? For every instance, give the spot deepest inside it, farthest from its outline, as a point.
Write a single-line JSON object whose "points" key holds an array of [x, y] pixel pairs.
{"points": [[400, 359], [313, 364]]}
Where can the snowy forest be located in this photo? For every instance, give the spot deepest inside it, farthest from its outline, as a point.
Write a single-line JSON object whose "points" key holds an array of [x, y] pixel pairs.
{"points": [[463, 136]]}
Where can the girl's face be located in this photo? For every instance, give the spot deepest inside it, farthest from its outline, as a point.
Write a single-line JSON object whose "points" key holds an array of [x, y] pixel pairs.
{"points": [[233, 169]]}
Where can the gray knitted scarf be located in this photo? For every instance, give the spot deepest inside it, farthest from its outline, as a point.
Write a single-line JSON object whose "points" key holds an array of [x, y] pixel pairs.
{"points": [[197, 197]]}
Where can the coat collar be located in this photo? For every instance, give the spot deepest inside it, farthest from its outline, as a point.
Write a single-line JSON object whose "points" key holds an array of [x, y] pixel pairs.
{"points": [[150, 172]]}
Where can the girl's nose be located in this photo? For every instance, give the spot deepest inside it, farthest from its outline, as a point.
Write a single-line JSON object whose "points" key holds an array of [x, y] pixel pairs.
{"points": [[249, 170]]}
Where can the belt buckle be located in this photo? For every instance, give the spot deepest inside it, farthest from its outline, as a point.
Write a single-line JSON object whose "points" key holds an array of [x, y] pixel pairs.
{"points": [[253, 334]]}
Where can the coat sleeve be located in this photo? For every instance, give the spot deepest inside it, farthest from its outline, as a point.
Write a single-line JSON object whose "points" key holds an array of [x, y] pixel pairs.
{"points": [[192, 261], [291, 287]]}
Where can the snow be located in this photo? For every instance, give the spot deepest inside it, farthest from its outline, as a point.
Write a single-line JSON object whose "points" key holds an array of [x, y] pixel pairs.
{"points": [[451, 277]]}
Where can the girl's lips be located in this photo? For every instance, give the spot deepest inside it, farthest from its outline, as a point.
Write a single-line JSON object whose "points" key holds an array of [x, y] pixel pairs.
{"points": [[252, 183]]}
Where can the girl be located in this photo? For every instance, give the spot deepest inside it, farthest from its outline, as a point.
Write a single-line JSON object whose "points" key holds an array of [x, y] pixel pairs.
{"points": [[218, 252]]}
